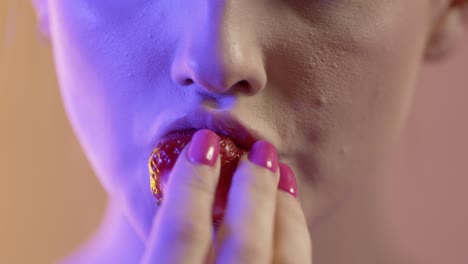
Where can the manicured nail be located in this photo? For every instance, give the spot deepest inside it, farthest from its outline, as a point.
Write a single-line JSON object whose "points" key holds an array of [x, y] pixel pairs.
{"points": [[287, 180], [264, 154], [204, 147]]}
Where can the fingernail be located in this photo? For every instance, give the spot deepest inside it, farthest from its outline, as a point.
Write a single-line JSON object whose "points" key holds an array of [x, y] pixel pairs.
{"points": [[264, 154], [204, 147], [287, 180]]}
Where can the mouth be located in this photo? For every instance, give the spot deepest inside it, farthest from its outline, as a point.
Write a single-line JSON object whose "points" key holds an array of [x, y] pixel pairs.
{"points": [[224, 123], [169, 144]]}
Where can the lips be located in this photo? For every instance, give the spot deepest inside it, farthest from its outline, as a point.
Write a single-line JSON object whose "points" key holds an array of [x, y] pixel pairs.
{"points": [[221, 123]]}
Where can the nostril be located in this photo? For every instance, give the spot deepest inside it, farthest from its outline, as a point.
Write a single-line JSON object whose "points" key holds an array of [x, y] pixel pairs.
{"points": [[187, 81], [243, 83], [243, 86]]}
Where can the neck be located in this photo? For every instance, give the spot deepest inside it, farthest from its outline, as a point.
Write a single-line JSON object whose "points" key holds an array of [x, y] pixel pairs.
{"points": [[114, 242]]}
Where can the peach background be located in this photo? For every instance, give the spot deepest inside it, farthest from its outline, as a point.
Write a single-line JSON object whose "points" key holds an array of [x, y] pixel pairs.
{"points": [[50, 202]]}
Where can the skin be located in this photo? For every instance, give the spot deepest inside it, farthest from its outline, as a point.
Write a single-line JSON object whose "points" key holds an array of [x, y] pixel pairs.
{"points": [[328, 83]]}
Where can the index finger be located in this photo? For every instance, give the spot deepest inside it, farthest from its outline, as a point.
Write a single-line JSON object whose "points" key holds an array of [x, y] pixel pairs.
{"points": [[182, 228]]}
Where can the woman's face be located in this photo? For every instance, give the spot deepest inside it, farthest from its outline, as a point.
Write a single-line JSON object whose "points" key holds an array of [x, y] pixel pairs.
{"points": [[327, 82]]}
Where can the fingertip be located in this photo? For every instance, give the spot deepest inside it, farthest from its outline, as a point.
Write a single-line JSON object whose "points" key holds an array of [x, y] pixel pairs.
{"points": [[264, 154], [204, 148], [287, 181]]}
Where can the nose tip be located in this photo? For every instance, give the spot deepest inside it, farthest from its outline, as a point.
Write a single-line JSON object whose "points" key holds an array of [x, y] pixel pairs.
{"points": [[219, 71]]}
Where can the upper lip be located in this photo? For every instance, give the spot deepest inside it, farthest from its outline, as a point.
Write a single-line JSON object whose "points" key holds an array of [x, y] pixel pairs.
{"points": [[220, 122]]}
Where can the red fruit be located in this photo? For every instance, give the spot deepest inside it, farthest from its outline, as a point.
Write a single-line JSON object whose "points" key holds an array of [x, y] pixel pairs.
{"points": [[165, 154]]}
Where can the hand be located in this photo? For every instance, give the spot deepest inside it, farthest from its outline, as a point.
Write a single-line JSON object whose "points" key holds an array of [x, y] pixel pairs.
{"points": [[261, 223]]}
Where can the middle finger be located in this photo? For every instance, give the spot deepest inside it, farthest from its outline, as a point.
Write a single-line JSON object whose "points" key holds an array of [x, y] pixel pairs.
{"points": [[246, 233]]}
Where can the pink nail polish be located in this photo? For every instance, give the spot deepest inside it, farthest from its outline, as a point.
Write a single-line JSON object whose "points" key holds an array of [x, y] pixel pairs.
{"points": [[264, 154], [204, 147], [287, 180]]}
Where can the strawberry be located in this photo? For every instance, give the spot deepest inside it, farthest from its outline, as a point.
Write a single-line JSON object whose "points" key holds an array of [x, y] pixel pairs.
{"points": [[165, 154]]}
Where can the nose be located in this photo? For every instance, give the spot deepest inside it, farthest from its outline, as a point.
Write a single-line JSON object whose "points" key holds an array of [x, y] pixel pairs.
{"points": [[219, 53]]}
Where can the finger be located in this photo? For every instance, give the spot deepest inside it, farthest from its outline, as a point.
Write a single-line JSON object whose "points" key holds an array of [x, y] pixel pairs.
{"points": [[182, 229], [246, 234], [291, 235]]}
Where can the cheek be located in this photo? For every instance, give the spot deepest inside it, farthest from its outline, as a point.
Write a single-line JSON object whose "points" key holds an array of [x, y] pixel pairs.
{"points": [[381, 73], [113, 80], [370, 67], [354, 83], [95, 64]]}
